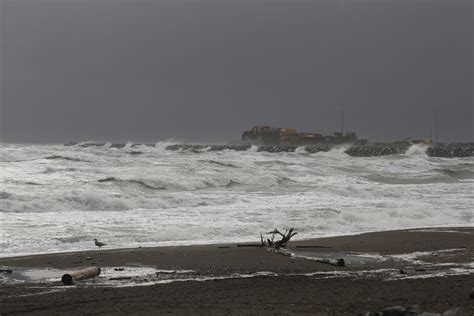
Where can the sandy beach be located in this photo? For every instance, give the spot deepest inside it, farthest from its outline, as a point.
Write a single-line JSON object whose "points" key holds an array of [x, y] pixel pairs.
{"points": [[432, 268]]}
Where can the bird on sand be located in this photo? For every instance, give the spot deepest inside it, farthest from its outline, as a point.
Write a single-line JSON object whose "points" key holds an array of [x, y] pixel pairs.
{"points": [[98, 243]]}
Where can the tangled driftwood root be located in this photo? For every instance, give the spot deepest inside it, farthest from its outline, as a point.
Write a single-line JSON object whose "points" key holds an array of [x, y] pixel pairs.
{"points": [[285, 238], [273, 245]]}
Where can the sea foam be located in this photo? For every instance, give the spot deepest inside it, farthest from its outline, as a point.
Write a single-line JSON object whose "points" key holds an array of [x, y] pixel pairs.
{"points": [[161, 197]]}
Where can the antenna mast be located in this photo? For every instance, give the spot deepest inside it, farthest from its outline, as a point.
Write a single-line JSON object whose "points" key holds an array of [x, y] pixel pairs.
{"points": [[342, 122]]}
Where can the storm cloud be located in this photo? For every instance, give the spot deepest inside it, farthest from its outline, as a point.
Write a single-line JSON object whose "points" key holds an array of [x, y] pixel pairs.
{"points": [[201, 70]]}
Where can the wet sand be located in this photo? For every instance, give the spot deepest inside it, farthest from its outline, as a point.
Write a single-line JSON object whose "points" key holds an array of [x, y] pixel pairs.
{"points": [[431, 268]]}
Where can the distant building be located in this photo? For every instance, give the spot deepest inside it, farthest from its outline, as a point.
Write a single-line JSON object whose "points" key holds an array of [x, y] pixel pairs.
{"points": [[290, 136], [262, 134]]}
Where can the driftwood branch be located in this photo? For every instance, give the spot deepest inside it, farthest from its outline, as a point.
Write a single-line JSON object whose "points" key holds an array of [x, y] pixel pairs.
{"points": [[335, 262], [285, 238]]}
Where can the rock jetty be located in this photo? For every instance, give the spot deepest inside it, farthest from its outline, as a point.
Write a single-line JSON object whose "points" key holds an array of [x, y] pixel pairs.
{"points": [[367, 150], [451, 150], [370, 150]]}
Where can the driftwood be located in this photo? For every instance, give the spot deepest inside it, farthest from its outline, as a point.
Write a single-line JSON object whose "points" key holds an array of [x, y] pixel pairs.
{"points": [[69, 278], [334, 262], [285, 238], [249, 245], [310, 246]]}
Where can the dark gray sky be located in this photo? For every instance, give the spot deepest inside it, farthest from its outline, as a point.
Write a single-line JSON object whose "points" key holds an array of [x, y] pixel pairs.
{"points": [[201, 70]]}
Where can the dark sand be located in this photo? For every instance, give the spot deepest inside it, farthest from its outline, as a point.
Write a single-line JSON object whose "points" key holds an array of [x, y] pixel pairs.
{"points": [[333, 291]]}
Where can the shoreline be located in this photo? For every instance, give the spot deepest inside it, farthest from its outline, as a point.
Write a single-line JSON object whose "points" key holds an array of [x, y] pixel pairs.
{"points": [[382, 243], [433, 268], [217, 244]]}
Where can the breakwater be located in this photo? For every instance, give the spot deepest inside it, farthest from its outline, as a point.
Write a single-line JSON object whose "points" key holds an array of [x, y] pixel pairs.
{"points": [[261, 148], [367, 150]]}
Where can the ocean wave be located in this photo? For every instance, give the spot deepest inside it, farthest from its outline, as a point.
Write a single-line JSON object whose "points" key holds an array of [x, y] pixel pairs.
{"points": [[334, 152], [301, 150], [174, 186], [142, 183], [5, 195], [53, 170], [284, 180], [21, 182], [461, 173], [98, 202], [219, 163], [274, 162], [417, 150], [171, 196], [253, 149], [56, 157], [410, 178], [74, 239], [232, 183]]}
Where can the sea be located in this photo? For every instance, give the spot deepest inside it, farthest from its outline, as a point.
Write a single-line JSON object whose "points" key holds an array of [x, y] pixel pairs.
{"points": [[56, 198]]}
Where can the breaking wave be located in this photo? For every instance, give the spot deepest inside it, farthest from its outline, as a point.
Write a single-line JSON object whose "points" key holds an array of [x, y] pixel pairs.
{"points": [[5, 195], [417, 149], [56, 157], [169, 185], [53, 170], [460, 174], [162, 196], [219, 163], [147, 185], [410, 179]]}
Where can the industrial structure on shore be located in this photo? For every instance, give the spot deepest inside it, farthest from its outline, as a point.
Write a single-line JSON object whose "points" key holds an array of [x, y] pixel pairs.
{"points": [[290, 136]]}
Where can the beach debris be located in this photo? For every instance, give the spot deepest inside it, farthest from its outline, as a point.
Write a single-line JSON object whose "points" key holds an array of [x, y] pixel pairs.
{"points": [[414, 310], [88, 258], [335, 262], [394, 311], [249, 245], [6, 271], [119, 269], [458, 311], [98, 243], [339, 262], [471, 294], [285, 238], [409, 270], [121, 278], [311, 246], [70, 278]]}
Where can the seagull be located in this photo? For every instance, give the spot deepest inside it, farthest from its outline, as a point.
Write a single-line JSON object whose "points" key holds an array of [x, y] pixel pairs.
{"points": [[98, 243]]}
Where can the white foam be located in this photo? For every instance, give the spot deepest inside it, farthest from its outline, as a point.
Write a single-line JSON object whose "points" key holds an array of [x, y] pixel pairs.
{"points": [[415, 256], [165, 197], [417, 150]]}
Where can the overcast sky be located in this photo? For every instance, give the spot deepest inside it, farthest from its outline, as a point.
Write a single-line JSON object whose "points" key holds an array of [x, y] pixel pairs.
{"points": [[201, 70]]}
